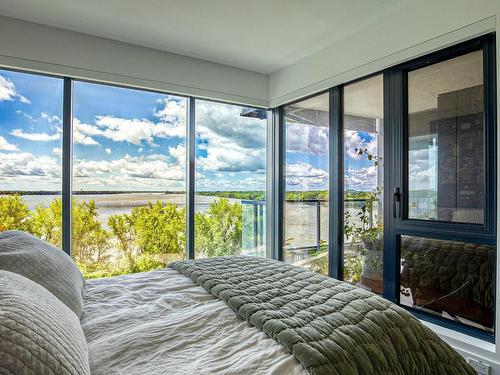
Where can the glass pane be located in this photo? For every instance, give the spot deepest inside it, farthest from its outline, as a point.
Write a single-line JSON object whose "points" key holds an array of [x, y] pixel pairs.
{"points": [[230, 180], [363, 183], [30, 154], [128, 179], [448, 278], [446, 141], [306, 184]]}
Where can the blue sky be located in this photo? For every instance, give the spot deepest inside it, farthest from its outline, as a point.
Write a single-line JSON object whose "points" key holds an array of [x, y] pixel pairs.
{"points": [[124, 139], [127, 139]]}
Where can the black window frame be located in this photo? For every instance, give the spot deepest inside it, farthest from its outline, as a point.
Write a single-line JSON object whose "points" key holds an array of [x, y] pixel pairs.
{"points": [[399, 223], [395, 122]]}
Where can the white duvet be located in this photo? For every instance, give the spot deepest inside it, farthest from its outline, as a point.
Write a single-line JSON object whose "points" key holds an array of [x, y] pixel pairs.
{"points": [[160, 322]]}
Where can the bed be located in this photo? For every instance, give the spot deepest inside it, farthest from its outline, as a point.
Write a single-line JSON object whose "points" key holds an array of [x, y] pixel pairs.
{"points": [[160, 322], [226, 315]]}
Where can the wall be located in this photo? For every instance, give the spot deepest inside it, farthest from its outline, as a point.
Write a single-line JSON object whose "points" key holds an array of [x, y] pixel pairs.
{"points": [[410, 30], [30, 46]]}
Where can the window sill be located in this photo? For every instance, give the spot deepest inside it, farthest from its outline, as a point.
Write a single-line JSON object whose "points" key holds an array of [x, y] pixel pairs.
{"points": [[462, 341]]}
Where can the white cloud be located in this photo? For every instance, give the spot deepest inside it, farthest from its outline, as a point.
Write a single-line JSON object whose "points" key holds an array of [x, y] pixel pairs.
{"points": [[178, 153], [37, 137], [108, 151], [308, 139], [129, 172], [27, 164], [422, 169], [6, 146], [8, 91], [173, 112], [57, 151], [82, 133], [232, 143], [302, 176], [53, 119], [361, 179]]}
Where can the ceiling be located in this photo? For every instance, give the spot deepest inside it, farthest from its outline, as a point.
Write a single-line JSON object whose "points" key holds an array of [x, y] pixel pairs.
{"points": [[258, 35]]}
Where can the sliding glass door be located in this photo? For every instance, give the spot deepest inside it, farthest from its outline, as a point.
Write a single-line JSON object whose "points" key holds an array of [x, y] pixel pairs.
{"points": [[363, 141], [306, 213]]}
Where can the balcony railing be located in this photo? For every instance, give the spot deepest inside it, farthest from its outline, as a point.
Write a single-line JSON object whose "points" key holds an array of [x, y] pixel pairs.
{"points": [[299, 245]]}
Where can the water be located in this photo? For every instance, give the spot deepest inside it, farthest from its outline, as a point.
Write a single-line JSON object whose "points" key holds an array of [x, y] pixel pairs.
{"points": [[301, 221]]}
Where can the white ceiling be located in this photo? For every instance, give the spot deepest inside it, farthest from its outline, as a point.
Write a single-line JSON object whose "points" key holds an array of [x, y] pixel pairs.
{"points": [[259, 35]]}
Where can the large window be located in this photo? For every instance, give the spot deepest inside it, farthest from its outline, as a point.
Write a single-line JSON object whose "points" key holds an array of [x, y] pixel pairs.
{"points": [[30, 154], [448, 169], [230, 180], [446, 141], [128, 179], [306, 213], [363, 183]]}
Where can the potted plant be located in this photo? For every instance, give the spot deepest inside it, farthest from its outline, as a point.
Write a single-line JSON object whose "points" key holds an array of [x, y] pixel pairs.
{"points": [[369, 240], [367, 236]]}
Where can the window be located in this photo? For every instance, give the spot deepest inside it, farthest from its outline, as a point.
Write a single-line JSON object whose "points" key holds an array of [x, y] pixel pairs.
{"points": [[128, 179], [30, 154], [363, 183], [306, 183], [230, 184], [452, 279], [446, 141], [444, 225]]}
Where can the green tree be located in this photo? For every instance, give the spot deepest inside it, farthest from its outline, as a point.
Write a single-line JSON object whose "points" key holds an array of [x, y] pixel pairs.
{"points": [[218, 232], [122, 227], [160, 229], [14, 214], [90, 240], [47, 222]]}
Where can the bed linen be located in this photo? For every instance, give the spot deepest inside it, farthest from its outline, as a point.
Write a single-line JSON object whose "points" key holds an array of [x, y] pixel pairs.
{"points": [[160, 322], [330, 326]]}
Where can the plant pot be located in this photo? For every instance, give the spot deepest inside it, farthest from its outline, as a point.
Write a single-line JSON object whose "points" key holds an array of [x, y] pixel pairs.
{"points": [[372, 265]]}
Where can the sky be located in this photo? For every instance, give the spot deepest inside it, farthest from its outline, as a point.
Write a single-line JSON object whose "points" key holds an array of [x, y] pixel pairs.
{"points": [[124, 139], [133, 140], [307, 159]]}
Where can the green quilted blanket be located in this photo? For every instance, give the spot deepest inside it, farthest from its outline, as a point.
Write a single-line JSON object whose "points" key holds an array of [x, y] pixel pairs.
{"points": [[331, 327]]}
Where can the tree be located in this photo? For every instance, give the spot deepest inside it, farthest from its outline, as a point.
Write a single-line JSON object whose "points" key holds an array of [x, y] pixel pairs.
{"points": [[160, 229], [122, 227], [218, 232], [90, 240], [14, 214], [47, 222]]}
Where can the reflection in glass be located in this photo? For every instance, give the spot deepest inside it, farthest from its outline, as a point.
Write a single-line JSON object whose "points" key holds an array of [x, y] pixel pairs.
{"points": [[306, 184], [230, 199], [446, 141], [363, 183], [449, 278], [128, 178]]}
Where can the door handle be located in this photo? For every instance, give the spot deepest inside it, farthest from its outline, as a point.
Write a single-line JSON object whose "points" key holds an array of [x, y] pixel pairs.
{"points": [[397, 203]]}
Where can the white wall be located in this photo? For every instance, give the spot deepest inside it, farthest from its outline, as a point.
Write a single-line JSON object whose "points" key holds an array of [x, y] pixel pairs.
{"points": [[30, 46], [412, 29]]}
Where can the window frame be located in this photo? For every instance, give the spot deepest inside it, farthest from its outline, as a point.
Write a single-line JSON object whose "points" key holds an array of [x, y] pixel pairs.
{"points": [[395, 97], [397, 110]]}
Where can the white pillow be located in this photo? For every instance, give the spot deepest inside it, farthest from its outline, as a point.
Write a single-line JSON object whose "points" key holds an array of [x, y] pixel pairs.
{"points": [[45, 264], [38, 334]]}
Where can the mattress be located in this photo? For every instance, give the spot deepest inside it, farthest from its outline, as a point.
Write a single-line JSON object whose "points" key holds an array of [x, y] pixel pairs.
{"points": [[161, 322]]}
